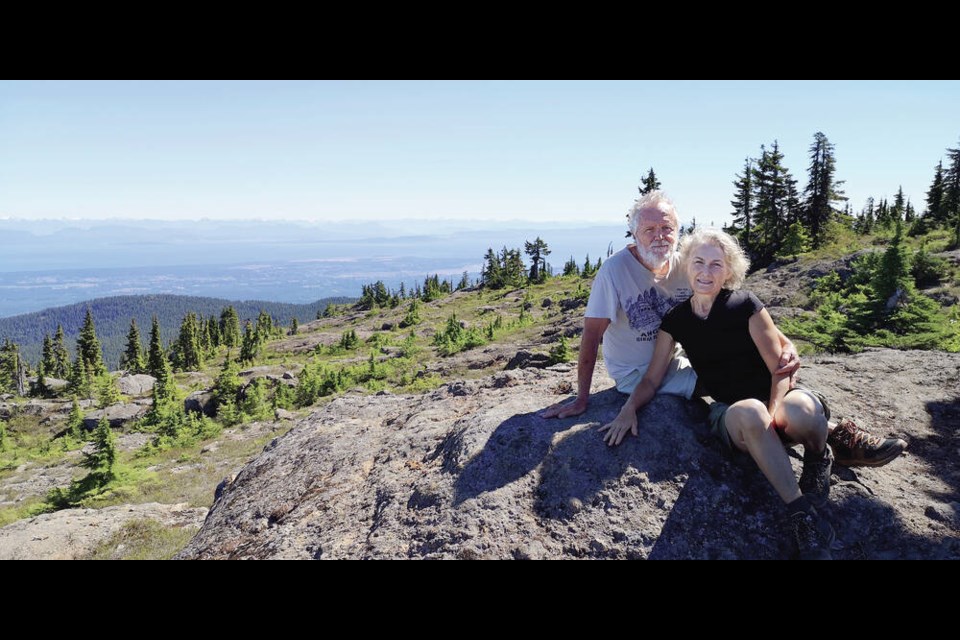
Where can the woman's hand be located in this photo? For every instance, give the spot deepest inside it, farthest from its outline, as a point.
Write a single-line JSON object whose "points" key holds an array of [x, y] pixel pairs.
{"points": [[625, 421]]}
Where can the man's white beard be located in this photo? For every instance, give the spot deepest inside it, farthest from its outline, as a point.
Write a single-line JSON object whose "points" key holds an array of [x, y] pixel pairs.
{"points": [[654, 261]]}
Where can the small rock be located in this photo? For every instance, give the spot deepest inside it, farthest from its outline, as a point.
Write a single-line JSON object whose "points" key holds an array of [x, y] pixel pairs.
{"points": [[547, 302], [283, 414], [945, 513]]}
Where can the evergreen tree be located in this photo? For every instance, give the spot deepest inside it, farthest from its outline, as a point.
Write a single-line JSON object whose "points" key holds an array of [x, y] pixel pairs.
{"points": [[775, 202], [75, 420], [264, 328], [213, 329], [132, 358], [294, 327], [491, 276], [796, 241], [865, 220], [570, 267], [104, 456], [649, 183], [464, 282], [106, 390], [228, 384], [48, 361], [88, 347], [899, 205], [250, 346], [13, 371], [909, 215], [156, 359], [821, 189], [742, 203], [79, 377], [538, 251], [61, 356], [229, 328], [884, 216], [893, 275], [188, 355], [951, 193], [936, 211]]}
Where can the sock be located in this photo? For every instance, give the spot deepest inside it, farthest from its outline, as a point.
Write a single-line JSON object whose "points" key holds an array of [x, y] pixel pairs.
{"points": [[801, 504]]}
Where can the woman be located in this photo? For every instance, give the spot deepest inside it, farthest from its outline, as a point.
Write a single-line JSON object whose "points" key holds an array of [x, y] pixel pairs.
{"points": [[732, 343]]}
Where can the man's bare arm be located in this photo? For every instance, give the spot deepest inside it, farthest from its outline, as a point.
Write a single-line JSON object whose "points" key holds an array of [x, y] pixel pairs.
{"points": [[593, 329]]}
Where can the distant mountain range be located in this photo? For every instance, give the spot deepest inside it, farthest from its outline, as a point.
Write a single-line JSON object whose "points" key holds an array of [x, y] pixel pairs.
{"points": [[112, 317]]}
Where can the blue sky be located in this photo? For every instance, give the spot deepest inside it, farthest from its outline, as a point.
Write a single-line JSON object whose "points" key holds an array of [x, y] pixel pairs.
{"points": [[567, 152]]}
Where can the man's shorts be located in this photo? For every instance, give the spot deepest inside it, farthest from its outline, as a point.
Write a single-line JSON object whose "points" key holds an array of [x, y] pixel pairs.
{"points": [[681, 382], [718, 426]]}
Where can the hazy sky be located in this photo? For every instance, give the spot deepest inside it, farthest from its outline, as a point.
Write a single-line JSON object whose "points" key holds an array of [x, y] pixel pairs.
{"points": [[543, 151]]}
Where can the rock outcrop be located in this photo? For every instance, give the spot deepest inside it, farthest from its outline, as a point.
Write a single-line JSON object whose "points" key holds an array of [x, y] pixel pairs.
{"points": [[471, 471], [138, 384], [75, 533], [117, 415]]}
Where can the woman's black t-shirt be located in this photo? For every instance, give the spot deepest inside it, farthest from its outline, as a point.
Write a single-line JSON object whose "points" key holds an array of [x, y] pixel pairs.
{"points": [[720, 348]]}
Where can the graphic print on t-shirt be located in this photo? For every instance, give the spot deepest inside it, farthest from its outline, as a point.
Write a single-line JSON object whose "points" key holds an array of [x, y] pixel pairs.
{"points": [[646, 312]]}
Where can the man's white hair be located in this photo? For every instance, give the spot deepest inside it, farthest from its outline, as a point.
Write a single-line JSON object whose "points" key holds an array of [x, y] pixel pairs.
{"points": [[653, 200]]}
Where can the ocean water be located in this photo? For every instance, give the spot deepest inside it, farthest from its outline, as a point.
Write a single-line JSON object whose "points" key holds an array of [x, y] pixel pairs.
{"points": [[52, 263]]}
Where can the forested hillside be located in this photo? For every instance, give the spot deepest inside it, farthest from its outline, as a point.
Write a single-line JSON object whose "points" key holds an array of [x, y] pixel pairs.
{"points": [[112, 316]]}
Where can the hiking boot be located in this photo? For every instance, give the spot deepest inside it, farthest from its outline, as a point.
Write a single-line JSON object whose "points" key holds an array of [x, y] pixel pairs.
{"points": [[815, 478], [813, 535], [855, 447]]}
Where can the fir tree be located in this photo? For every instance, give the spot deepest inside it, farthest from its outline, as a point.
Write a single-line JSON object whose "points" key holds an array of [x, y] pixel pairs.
{"points": [[821, 189], [866, 218], [228, 384], [48, 362], [570, 267], [75, 420], [742, 203], [491, 276], [106, 391], [909, 215], [250, 346], [587, 269], [936, 211], [188, 355], [294, 327], [538, 251], [229, 328], [464, 282], [649, 183], [132, 357], [899, 205], [951, 193], [13, 370], [893, 275], [264, 328], [104, 456], [61, 356], [213, 329], [796, 241], [88, 347], [79, 377], [156, 359], [775, 202]]}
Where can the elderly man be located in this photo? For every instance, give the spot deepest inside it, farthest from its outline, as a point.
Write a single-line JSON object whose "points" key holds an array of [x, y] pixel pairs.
{"points": [[632, 292]]}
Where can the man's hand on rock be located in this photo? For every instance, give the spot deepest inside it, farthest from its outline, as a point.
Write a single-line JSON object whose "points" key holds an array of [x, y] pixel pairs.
{"points": [[565, 409]]}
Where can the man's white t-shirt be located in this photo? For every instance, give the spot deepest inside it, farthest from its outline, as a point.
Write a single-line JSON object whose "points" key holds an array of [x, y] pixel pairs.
{"points": [[628, 294]]}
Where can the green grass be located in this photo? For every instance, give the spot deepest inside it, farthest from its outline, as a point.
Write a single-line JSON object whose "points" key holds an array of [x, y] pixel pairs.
{"points": [[143, 539]]}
